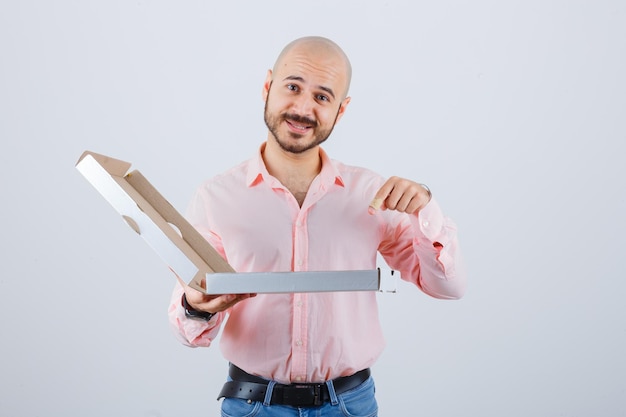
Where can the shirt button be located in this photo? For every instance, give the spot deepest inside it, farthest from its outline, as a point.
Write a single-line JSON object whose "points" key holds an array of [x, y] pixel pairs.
{"points": [[425, 224], [298, 342], [299, 304], [299, 263]]}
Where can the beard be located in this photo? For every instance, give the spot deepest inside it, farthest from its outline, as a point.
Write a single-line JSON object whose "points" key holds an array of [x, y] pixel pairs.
{"points": [[274, 121]]}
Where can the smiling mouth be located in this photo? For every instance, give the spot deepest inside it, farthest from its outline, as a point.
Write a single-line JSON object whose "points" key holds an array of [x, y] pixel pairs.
{"points": [[298, 127], [299, 124]]}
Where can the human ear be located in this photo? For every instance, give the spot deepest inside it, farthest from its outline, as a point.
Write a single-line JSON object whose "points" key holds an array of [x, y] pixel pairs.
{"points": [[342, 107], [267, 84]]}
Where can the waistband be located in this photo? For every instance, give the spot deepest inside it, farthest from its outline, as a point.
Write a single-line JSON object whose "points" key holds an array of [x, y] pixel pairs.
{"points": [[251, 387]]}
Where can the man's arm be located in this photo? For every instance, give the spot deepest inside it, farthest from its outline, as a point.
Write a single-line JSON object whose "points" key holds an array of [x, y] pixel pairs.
{"points": [[431, 238], [197, 317]]}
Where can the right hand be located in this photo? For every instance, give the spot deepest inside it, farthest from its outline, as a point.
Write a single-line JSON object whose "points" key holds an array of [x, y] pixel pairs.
{"points": [[213, 303]]}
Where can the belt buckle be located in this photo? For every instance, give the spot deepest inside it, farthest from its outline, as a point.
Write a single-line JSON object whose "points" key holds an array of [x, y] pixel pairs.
{"points": [[304, 395]]}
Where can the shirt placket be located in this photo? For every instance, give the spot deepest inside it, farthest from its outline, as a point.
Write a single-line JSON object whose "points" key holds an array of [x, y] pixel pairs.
{"points": [[300, 342]]}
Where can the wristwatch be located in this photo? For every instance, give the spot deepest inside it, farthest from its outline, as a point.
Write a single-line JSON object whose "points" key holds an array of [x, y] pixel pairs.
{"points": [[191, 313]]}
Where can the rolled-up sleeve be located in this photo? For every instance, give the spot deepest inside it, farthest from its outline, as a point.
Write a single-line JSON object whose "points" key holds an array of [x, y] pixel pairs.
{"points": [[191, 332]]}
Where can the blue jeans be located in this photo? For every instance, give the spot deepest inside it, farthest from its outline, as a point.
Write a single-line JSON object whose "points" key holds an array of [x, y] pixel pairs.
{"points": [[358, 402]]}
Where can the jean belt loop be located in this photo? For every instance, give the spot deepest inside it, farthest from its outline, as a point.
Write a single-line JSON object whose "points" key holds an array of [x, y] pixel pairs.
{"points": [[268, 393], [331, 392]]}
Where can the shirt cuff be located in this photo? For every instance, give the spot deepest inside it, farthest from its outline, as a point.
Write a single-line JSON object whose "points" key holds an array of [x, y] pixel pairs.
{"points": [[431, 221]]}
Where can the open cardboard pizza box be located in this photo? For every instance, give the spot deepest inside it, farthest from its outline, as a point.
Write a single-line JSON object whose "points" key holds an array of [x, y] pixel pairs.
{"points": [[187, 253]]}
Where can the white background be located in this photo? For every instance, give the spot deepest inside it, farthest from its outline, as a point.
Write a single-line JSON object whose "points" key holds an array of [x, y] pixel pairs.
{"points": [[512, 111]]}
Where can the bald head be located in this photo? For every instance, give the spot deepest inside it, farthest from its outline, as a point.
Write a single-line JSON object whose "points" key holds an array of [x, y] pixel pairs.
{"points": [[320, 48]]}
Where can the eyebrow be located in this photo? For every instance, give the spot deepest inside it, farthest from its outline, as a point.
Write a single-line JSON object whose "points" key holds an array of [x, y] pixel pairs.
{"points": [[321, 87]]}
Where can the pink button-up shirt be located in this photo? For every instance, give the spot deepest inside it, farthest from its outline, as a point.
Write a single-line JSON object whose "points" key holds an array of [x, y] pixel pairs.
{"points": [[255, 223]]}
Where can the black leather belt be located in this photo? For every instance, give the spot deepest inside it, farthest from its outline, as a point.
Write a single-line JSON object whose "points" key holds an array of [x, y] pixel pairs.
{"points": [[251, 387]]}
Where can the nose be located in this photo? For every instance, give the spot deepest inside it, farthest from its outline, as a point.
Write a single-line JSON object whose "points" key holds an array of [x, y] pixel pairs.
{"points": [[303, 105]]}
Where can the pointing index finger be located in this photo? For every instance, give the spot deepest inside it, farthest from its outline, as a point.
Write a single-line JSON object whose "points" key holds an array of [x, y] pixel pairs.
{"points": [[380, 197], [376, 203]]}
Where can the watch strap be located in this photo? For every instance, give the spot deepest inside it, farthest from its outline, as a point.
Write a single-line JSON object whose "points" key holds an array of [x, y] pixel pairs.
{"points": [[192, 313]]}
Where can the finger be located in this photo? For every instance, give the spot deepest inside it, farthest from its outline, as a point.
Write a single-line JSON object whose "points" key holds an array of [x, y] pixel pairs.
{"points": [[381, 195], [402, 195], [421, 198], [223, 302], [376, 204], [399, 196], [403, 202], [229, 300], [197, 298], [417, 203], [209, 303]]}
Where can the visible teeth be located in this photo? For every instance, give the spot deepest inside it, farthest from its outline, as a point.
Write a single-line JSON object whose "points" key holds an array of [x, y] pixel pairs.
{"points": [[301, 127]]}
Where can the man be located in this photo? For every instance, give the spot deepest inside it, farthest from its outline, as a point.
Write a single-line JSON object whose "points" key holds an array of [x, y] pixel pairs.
{"points": [[291, 208]]}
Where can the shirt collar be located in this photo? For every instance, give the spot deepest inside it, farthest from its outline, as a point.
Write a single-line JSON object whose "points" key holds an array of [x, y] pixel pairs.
{"points": [[257, 171]]}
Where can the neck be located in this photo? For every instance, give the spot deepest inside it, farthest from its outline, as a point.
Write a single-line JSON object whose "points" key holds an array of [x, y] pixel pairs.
{"points": [[282, 164], [294, 171]]}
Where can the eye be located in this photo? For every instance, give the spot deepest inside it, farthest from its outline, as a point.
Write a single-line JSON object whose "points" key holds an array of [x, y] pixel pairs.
{"points": [[292, 87], [322, 97]]}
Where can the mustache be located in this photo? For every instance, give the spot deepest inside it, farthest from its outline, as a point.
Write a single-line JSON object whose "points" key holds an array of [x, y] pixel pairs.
{"points": [[299, 119]]}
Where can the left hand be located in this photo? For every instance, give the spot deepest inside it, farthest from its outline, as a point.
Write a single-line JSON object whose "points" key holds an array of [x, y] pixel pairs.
{"points": [[401, 195], [210, 303]]}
